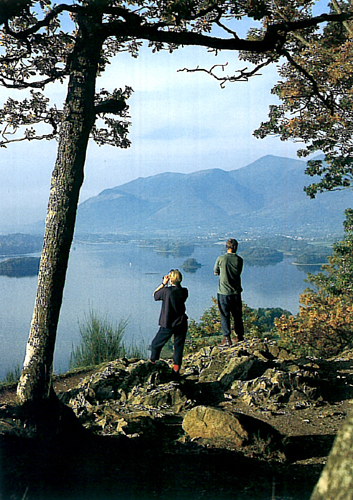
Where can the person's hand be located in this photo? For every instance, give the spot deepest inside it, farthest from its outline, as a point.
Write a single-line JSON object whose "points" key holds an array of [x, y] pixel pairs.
{"points": [[164, 282]]}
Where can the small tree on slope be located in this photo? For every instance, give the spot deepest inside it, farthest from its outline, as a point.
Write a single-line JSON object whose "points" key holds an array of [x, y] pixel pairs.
{"points": [[324, 325]]}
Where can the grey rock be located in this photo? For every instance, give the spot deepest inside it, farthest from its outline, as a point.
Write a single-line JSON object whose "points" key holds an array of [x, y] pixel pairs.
{"points": [[130, 396]]}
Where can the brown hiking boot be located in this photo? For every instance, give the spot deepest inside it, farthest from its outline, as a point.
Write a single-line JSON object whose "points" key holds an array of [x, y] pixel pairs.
{"points": [[226, 342]]}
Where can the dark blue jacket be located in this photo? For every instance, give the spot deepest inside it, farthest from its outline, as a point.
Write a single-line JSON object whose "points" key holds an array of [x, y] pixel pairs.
{"points": [[173, 307]]}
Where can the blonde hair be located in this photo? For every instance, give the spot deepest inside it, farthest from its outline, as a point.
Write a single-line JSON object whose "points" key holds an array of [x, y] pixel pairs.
{"points": [[175, 276]]}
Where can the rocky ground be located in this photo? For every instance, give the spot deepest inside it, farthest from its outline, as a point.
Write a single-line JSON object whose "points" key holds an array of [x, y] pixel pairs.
{"points": [[250, 422]]}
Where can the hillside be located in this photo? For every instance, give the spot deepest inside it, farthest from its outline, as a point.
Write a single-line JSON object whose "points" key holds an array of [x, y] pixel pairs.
{"points": [[252, 422], [264, 197]]}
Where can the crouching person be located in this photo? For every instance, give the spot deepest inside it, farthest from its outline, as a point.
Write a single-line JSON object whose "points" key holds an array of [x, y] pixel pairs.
{"points": [[172, 319]]}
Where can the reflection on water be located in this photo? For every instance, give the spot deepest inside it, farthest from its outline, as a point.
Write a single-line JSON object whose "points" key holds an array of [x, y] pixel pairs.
{"points": [[308, 268], [263, 262], [117, 281]]}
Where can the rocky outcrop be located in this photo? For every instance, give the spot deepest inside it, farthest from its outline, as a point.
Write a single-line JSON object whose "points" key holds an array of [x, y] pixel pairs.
{"points": [[138, 399]]}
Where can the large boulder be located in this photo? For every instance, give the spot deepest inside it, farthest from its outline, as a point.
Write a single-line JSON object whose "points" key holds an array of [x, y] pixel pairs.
{"points": [[230, 429]]}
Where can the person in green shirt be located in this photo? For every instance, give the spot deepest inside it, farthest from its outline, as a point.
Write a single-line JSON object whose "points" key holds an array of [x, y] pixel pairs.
{"points": [[229, 267]]}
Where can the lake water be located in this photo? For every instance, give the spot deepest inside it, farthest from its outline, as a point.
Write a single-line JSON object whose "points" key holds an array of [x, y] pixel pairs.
{"points": [[117, 281]]}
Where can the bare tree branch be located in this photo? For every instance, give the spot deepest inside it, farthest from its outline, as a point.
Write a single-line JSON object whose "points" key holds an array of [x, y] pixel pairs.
{"points": [[30, 136], [243, 76]]}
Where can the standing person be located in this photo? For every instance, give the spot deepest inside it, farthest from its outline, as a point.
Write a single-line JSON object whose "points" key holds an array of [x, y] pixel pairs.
{"points": [[229, 267], [172, 319]]}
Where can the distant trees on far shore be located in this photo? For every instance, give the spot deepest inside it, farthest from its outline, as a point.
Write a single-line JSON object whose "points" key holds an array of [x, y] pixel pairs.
{"points": [[18, 243]]}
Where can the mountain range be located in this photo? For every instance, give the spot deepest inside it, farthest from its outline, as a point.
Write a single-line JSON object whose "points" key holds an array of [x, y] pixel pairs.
{"points": [[264, 197]]}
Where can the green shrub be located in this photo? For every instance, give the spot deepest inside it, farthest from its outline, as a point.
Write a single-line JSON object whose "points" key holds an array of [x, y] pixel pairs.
{"points": [[209, 325], [100, 342], [324, 325], [136, 350], [207, 332]]}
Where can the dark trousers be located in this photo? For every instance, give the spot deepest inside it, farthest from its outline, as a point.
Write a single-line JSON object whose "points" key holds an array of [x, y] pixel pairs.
{"points": [[230, 305], [162, 337]]}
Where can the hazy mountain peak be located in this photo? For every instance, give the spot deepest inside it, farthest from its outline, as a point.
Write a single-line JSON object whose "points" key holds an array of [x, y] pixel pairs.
{"points": [[265, 196]]}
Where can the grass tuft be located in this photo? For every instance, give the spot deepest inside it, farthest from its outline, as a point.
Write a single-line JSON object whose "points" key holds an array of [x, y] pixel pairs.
{"points": [[102, 341]]}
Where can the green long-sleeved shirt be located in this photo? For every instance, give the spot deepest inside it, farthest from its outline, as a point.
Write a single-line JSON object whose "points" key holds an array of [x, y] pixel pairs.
{"points": [[229, 267]]}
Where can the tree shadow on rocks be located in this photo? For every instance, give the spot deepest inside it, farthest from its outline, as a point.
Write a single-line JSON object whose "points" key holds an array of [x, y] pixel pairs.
{"points": [[205, 393], [308, 446], [107, 468]]}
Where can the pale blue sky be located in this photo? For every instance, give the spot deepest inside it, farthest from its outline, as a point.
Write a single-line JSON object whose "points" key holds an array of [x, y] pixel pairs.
{"points": [[181, 122]]}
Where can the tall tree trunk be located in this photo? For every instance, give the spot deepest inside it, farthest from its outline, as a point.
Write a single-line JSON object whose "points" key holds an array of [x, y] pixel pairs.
{"points": [[336, 480], [67, 178]]}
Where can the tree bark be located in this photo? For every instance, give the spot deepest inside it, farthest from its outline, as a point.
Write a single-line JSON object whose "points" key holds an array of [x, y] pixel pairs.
{"points": [[336, 480], [67, 179]]}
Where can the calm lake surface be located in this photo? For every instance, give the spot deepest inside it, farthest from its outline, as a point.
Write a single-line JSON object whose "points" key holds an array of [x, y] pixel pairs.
{"points": [[117, 281]]}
